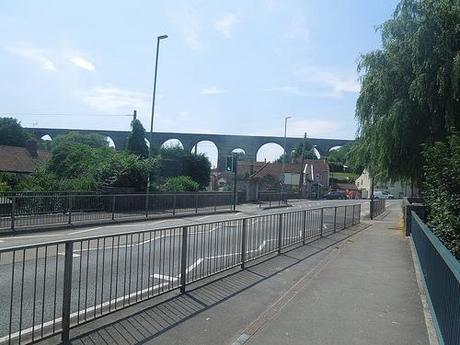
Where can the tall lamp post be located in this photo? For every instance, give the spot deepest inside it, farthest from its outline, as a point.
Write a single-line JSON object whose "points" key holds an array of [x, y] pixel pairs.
{"points": [[285, 155], [159, 38]]}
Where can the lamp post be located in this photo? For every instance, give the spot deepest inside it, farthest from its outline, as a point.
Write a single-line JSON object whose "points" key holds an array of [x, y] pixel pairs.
{"points": [[159, 38], [285, 155]]}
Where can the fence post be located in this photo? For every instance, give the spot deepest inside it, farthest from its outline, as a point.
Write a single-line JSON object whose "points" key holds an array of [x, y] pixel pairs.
{"points": [[243, 242], [215, 202], [113, 207], [371, 209], [174, 204], [147, 205], [196, 203], [13, 211], [67, 292], [304, 227], [322, 222], [280, 232], [335, 219], [183, 261], [69, 202], [345, 218], [353, 216]]}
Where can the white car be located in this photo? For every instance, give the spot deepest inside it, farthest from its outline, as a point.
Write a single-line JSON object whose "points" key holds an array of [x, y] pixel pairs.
{"points": [[383, 195]]}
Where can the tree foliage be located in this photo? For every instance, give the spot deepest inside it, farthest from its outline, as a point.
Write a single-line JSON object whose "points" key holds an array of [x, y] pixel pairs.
{"points": [[441, 190], [410, 88], [136, 140], [303, 150], [91, 139], [179, 184], [175, 161], [12, 133]]}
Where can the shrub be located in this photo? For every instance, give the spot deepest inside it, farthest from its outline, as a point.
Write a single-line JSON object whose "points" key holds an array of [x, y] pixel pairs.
{"points": [[179, 184], [441, 190]]}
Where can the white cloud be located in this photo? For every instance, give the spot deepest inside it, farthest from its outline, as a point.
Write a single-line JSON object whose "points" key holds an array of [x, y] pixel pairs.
{"points": [[293, 90], [82, 63], [186, 21], [225, 24], [111, 99], [297, 29], [336, 84], [35, 55], [213, 90]]}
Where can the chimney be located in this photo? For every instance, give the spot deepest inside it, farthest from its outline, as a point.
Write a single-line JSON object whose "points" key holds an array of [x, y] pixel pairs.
{"points": [[31, 146]]}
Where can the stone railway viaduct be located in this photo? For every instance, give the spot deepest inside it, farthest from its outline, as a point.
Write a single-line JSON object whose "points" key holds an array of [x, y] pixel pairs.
{"points": [[225, 143]]}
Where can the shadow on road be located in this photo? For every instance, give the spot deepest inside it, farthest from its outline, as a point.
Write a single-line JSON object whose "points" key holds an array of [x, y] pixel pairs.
{"points": [[140, 324]]}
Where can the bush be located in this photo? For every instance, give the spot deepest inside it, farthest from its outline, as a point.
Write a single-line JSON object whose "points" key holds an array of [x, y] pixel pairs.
{"points": [[179, 184], [441, 190]]}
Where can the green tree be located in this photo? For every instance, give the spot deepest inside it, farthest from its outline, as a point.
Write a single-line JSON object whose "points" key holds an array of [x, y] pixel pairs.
{"points": [[136, 140], [303, 150], [441, 190], [175, 161], [91, 139], [11, 132], [179, 184], [410, 88]]}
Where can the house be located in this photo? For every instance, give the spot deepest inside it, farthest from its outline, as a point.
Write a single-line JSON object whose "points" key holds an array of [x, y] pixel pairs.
{"points": [[349, 189], [397, 189], [255, 177], [22, 160]]}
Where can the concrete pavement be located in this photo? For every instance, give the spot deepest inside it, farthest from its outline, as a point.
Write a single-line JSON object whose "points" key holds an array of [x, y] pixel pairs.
{"points": [[357, 286], [366, 294]]}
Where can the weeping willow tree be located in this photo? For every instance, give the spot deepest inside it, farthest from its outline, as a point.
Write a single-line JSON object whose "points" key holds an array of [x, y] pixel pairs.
{"points": [[410, 89]]}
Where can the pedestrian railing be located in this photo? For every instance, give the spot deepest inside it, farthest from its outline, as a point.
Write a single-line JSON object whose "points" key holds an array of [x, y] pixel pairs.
{"points": [[377, 207], [441, 276], [47, 289], [273, 199], [41, 210]]}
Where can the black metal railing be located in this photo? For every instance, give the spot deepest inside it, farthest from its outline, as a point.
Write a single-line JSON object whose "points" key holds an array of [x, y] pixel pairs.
{"points": [[41, 210], [273, 199], [377, 207], [441, 275], [49, 288]]}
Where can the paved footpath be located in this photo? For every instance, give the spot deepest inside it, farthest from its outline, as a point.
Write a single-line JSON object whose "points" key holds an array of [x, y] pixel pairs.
{"points": [[367, 294], [350, 288]]}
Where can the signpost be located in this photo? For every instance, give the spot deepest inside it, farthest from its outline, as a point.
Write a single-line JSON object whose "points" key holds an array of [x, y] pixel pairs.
{"points": [[231, 165]]}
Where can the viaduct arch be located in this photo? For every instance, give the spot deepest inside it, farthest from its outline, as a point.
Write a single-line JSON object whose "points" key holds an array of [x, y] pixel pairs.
{"points": [[225, 143]]}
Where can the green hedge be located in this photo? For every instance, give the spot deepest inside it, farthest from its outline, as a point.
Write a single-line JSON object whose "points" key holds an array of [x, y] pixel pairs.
{"points": [[441, 190]]}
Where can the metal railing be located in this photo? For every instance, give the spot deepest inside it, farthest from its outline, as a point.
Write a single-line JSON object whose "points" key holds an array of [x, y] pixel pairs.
{"points": [[441, 273], [39, 210], [377, 207], [273, 199], [49, 288]]}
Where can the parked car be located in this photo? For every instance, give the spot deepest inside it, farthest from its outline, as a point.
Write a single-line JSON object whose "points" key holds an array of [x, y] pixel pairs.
{"points": [[335, 196], [383, 195]]}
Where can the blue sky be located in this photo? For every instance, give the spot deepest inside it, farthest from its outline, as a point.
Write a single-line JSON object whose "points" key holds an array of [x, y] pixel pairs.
{"points": [[235, 67]]}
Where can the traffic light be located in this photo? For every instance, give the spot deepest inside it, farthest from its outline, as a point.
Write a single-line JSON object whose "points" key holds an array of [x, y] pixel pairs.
{"points": [[229, 164]]}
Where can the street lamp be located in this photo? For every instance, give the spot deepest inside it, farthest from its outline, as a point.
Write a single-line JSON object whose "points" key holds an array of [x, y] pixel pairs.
{"points": [[159, 38], [285, 154]]}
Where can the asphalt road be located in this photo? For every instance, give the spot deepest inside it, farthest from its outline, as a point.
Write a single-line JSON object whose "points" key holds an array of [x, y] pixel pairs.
{"points": [[129, 266], [8, 240]]}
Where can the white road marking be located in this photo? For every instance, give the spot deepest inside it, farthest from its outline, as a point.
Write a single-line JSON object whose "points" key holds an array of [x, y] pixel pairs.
{"points": [[80, 312], [164, 277], [86, 230]]}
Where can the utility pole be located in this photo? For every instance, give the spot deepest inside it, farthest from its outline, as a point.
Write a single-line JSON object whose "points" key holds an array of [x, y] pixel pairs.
{"points": [[301, 188], [285, 156], [134, 115]]}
